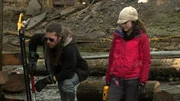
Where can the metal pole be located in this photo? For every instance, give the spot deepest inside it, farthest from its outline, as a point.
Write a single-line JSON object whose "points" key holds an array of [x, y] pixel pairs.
{"points": [[24, 63], [24, 58]]}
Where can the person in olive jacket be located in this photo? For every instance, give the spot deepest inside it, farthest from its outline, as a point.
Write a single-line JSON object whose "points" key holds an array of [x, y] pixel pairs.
{"points": [[63, 61]]}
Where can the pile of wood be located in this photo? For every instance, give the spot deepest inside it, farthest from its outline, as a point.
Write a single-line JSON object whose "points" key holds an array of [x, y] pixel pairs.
{"points": [[92, 90], [159, 69]]}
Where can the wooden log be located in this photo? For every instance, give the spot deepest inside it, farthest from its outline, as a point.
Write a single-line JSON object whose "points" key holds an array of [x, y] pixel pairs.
{"points": [[15, 83], [161, 69], [92, 90], [3, 77], [163, 96], [27, 34], [10, 58]]}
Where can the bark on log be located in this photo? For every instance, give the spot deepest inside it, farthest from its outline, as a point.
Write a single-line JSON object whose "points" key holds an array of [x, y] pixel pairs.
{"points": [[92, 90], [3, 77], [161, 69], [15, 83], [10, 58], [163, 96]]}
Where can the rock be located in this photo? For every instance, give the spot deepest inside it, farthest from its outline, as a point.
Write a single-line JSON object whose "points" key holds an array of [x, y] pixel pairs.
{"points": [[33, 8], [67, 11], [35, 20], [86, 18]]}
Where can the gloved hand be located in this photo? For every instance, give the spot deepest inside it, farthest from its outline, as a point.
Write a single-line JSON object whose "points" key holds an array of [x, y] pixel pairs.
{"points": [[33, 57], [141, 89], [41, 84], [107, 84]]}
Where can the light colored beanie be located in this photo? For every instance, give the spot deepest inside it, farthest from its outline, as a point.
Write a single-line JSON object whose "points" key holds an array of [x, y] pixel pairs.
{"points": [[127, 14]]}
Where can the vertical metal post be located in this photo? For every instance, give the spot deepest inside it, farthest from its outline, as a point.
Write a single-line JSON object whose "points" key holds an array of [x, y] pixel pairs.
{"points": [[24, 62]]}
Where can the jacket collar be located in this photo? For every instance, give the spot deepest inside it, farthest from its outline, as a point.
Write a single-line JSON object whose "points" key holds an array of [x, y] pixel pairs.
{"points": [[118, 31], [67, 40]]}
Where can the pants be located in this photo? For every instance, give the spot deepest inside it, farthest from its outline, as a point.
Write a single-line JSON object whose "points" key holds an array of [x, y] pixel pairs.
{"points": [[67, 88], [120, 88]]}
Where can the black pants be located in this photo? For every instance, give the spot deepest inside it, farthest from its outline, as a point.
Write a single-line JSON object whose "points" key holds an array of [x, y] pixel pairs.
{"points": [[120, 88]]}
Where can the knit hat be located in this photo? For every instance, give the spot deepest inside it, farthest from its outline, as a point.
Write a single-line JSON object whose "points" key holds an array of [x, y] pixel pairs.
{"points": [[127, 14]]}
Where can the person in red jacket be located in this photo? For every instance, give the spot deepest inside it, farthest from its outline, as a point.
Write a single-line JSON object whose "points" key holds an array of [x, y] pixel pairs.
{"points": [[129, 58]]}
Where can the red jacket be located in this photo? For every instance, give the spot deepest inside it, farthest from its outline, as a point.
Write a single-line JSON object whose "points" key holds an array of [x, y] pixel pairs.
{"points": [[129, 59]]}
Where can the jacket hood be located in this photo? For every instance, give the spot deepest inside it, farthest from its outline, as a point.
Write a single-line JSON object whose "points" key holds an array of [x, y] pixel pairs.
{"points": [[69, 41], [118, 31]]}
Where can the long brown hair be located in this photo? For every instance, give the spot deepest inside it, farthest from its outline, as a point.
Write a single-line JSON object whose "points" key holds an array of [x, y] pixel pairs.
{"points": [[54, 54], [139, 23], [137, 26]]}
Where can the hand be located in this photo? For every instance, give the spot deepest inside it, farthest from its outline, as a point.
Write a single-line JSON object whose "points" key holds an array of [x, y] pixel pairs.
{"points": [[141, 90], [107, 84], [41, 84]]}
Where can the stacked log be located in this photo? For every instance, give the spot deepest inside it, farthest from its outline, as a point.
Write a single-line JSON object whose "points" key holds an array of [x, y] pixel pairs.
{"points": [[163, 96], [15, 83], [92, 90], [97, 68], [161, 69]]}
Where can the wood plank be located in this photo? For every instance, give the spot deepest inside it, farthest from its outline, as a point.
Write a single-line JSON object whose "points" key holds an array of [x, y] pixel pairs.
{"points": [[11, 58]]}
